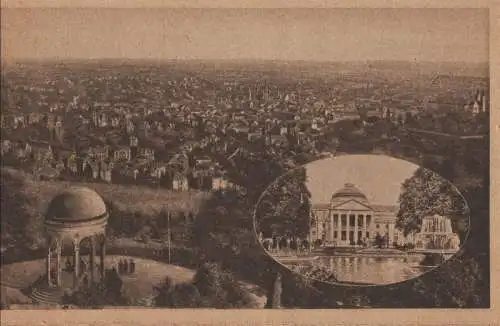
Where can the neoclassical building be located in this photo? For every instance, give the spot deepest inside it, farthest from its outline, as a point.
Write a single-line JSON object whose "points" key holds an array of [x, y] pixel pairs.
{"points": [[350, 217]]}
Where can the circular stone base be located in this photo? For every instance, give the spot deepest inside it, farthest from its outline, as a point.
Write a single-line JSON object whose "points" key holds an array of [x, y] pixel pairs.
{"points": [[137, 286]]}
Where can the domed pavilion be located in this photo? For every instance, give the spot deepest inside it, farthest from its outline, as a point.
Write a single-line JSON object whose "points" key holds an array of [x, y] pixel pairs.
{"points": [[76, 217]]}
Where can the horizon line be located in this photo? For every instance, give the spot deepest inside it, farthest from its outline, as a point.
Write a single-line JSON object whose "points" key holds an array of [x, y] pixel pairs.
{"points": [[410, 61]]}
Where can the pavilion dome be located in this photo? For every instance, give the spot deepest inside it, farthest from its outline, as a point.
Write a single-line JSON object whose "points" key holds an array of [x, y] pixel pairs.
{"points": [[76, 204], [348, 192]]}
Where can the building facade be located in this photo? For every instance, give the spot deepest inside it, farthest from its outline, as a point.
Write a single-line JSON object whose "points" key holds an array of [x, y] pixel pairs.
{"points": [[350, 219]]}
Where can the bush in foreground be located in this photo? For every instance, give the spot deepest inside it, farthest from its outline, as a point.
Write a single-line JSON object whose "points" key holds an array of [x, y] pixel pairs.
{"points": [[211, 288]]}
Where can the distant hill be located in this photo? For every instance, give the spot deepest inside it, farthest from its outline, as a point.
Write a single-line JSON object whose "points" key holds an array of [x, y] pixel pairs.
{"points": [[318, 68]]}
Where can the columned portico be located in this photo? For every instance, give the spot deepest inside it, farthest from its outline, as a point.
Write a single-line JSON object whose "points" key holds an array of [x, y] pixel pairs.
{"points": [[345, 227], [350, 219]]}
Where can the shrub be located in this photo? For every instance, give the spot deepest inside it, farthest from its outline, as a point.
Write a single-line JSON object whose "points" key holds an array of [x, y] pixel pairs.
{"points": [[219, 289], [163, 298], [185, 295]]}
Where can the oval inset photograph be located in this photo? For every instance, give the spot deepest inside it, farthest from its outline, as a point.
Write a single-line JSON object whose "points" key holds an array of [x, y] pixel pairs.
{"points": [[361, 220]]}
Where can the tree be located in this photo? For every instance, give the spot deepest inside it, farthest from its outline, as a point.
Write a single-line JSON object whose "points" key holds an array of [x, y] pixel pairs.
{"points": [[219, 289], [286, 205], [107, 293], [208, 282], [457, 283], [426, 193], [185, 295], [379, 241], [115, 219], [21, 223]]}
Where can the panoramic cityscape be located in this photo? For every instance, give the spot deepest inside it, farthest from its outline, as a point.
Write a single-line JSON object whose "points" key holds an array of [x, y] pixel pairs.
{"points": [[146, 168]]}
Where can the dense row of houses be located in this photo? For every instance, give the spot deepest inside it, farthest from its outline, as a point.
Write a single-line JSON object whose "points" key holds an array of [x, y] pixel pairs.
{"points": [[120, 164], [117, 136]]}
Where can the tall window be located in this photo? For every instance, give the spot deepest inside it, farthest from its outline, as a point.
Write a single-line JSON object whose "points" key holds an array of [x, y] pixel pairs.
{"points": [[352, 219], [360, 220], [343, 236], [343, 218]]}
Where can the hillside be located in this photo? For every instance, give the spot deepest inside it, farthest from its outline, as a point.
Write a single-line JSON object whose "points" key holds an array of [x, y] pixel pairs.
{"points": [[142, 199], [24, 201]]}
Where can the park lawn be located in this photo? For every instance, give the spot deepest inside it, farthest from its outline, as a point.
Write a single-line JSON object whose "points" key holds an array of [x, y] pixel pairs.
{"points": [[13, 296], [148, 274], [21, 275], [140, 285], [141, 199]]}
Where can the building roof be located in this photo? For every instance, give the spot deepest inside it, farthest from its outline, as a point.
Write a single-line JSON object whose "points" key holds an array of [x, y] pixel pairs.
{"points": [[378, 209], [348, 192], [76, 204]]}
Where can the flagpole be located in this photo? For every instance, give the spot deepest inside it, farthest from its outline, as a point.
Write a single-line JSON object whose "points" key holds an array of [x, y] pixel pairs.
{"points": [[169, 239]]}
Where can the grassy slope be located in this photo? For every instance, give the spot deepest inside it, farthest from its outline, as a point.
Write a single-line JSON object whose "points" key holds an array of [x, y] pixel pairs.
{"points": [[131, 198]]}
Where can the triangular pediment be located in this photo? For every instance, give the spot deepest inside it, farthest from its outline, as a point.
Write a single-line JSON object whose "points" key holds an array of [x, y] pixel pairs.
{"points": [[352, 205]]}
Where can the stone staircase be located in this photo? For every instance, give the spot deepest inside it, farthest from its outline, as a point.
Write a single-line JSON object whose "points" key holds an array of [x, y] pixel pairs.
{"points": [[47, 295]]}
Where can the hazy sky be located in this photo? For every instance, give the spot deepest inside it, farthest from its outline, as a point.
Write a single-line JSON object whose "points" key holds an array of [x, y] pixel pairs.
{"points": [[379, 177], [283, 34]]}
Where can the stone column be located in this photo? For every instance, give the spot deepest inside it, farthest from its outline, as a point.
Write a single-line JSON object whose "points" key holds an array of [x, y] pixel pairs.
{"points": [[103, 255], [369, 222], [348, 228], [92, 259], [49, 252], [339, 226], [391, 234], [356, 230], [58, 262], [364, 226], [331, 227], [76, 244]]}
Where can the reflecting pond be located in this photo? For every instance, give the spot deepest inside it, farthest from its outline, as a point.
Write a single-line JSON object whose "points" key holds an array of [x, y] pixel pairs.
{"points": [[359, 269]]}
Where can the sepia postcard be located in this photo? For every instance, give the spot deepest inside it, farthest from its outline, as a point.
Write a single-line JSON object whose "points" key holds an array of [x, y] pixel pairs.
{"points": [[220, 163]]}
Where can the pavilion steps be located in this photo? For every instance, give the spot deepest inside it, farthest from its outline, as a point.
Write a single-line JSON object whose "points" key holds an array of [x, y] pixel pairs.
{"points": [[46, 295]]}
